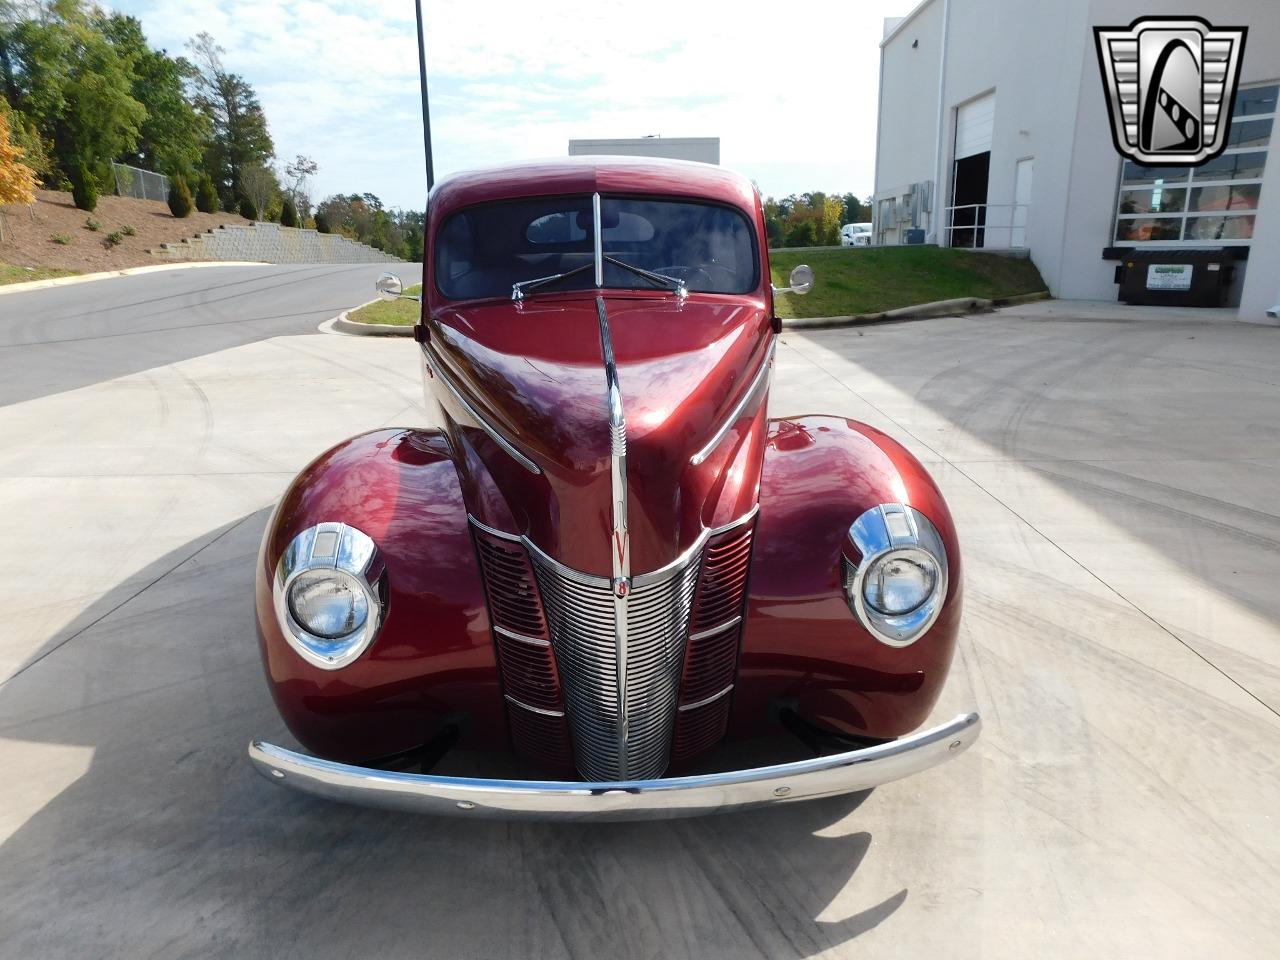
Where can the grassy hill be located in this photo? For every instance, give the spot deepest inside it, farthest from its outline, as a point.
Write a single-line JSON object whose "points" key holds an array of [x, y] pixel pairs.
{"points": [[854, 280], [52, 235]]}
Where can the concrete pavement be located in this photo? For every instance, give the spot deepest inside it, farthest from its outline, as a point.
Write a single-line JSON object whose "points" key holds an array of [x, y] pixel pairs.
{"points": [[1113, 482]]}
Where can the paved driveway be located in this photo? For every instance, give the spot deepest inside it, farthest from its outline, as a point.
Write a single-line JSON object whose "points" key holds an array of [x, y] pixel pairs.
{"points": [[1114, 483]]}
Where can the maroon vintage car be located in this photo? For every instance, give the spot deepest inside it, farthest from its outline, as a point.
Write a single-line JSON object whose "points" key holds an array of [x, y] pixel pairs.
{"points": [[608, 560]]}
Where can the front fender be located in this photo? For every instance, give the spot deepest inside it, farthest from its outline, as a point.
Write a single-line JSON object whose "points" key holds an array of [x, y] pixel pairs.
{"points": [[802, 647], [432, 661]]}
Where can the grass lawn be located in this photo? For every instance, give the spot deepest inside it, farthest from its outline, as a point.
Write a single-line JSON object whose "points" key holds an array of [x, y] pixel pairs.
{"points": [[856, 280], [400, 313], [9, 273]]}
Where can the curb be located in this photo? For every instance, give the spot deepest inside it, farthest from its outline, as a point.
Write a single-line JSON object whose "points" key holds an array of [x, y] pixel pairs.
{"points": [[353, 328], [126, 272], [920, 311], [1023, 298]]}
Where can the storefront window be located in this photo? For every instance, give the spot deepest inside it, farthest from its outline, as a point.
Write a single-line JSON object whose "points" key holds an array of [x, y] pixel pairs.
{"points": [[1198, 205], [1214, 229], [1158, 200], [1243, 196]]}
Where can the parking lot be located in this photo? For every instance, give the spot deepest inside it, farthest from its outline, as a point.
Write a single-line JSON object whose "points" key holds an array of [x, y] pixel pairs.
{"points": [[1113, 475]]}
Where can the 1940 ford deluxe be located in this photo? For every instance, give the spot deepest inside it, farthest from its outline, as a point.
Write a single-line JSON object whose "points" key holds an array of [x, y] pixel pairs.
{"points": [[607, 560]]}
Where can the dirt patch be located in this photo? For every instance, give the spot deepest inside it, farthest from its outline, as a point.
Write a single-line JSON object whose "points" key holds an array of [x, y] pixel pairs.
{"points": [[29, 232]]}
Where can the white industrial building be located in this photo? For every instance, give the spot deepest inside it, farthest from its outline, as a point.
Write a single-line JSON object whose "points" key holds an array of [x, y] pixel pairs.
{"points": [[994, 132], [700, 149]]}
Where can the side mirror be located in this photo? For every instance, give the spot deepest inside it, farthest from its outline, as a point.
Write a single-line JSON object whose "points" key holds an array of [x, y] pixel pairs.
{"points": [[801, 281], [389, 286]]}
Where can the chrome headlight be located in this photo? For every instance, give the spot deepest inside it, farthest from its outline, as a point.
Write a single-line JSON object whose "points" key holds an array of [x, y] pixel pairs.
{"points": [[328, 595], [895, 573]]}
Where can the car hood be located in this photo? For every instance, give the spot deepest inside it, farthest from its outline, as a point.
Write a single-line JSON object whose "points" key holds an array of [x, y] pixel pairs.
{"points": [[535, 371]]}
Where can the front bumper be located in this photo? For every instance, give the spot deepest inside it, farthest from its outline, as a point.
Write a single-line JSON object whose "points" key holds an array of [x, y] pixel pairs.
{"points": [[634, 800]]}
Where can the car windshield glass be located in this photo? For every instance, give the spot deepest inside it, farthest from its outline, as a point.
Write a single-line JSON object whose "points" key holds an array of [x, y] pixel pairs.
{"points": [[484, 251]]}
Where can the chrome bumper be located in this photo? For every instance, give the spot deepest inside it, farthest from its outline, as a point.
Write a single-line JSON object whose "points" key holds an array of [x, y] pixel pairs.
{"points": [[634, 800]]}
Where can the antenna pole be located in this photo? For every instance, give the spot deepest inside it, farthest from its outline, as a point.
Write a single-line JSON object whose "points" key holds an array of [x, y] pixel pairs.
{"points": [[422, 79]]}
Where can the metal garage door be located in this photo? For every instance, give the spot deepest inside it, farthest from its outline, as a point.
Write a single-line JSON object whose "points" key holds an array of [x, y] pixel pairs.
{"points": [[974, 121]]}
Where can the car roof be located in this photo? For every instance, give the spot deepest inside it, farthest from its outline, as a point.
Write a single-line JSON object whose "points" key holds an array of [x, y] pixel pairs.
{"points": [[586, 175]]}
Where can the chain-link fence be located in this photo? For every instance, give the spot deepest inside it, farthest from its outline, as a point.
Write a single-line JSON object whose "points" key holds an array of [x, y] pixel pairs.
{"points": [[140, 184]]}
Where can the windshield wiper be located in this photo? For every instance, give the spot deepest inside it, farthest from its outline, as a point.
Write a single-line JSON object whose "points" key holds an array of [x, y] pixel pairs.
{"points": [[681, 289], [675, 283], [518, 289]]}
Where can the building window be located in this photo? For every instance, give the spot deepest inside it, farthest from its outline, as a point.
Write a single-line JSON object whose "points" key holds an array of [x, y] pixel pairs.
{"points": [[1214, 203]]}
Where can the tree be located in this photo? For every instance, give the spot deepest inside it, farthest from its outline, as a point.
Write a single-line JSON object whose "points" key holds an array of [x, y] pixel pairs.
{"points": [[288, 213], [240, 138], [206, 196], [73, 82], [322, 222], [259, 185], [297, 181], [802, 234], [173, 133], [179, 197], [247, 209], [17, 180], [84, 188]]}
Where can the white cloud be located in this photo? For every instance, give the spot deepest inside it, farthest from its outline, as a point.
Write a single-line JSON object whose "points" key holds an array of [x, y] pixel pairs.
{"points": [[790, 91]]}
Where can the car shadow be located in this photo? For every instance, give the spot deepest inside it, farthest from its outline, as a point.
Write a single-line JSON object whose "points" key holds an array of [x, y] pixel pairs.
{"points": [[168, 844]]}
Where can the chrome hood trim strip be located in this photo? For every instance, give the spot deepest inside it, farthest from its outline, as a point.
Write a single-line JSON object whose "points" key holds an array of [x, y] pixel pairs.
{"points": [[620, 547], [493, 433], [761, 378]]}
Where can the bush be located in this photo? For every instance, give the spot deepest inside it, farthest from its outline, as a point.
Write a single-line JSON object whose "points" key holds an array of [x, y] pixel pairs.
{"points": [[84, 189], [206, 196], [180, 204], [247, 209], [322, 223], [128, 231], [61, 239], [113, 239], [288, 214], [92, 225]]}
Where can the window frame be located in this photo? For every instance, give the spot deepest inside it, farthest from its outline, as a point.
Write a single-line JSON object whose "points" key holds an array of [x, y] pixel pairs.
{"points": [[759, 273], [1190, 182]]}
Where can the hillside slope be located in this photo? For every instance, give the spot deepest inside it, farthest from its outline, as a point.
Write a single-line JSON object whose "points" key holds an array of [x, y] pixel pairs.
{"points": [[28, 232]]}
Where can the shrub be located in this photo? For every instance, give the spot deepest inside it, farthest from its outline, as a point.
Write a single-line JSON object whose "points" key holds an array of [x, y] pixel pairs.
{"points": [[113, 239], [179, 197], [247, 209], [61, 239], [128, 231], [206, 196], [92, 224], [288, 214], [84, 189], [322, 223]]}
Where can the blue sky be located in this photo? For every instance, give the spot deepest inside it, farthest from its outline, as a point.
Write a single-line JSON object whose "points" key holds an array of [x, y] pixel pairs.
{"points": [[790, 89]]}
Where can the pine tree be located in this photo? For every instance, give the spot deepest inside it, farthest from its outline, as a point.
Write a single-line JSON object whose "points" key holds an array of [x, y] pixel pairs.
{"points": [[247, 209], [288, 214], [179, 197], [206, 195]]}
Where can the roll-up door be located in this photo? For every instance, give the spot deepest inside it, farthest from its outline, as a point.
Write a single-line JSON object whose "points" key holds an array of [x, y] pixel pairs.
{"points": [[974, 121]]}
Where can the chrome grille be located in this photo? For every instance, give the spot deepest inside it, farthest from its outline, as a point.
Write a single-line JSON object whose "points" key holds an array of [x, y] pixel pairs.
{"points": [[580, 613]]}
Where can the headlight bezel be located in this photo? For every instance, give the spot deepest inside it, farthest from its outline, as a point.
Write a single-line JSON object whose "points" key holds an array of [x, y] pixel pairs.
{"points": [[350, 552], [880, 534]]}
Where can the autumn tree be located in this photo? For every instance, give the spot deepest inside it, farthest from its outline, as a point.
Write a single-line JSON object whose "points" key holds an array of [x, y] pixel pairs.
{"points": [[17, 180]]}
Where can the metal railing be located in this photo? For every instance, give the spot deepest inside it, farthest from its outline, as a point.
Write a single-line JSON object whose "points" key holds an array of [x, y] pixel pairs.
{"points": [[968, 225], [139, 184]]}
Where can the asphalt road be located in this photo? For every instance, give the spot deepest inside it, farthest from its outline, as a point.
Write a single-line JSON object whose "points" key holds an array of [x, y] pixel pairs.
{"points": [[1114, 486]]}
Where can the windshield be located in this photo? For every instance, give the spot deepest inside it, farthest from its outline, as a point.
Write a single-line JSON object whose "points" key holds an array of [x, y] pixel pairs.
{"points": [[484, 251]]}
